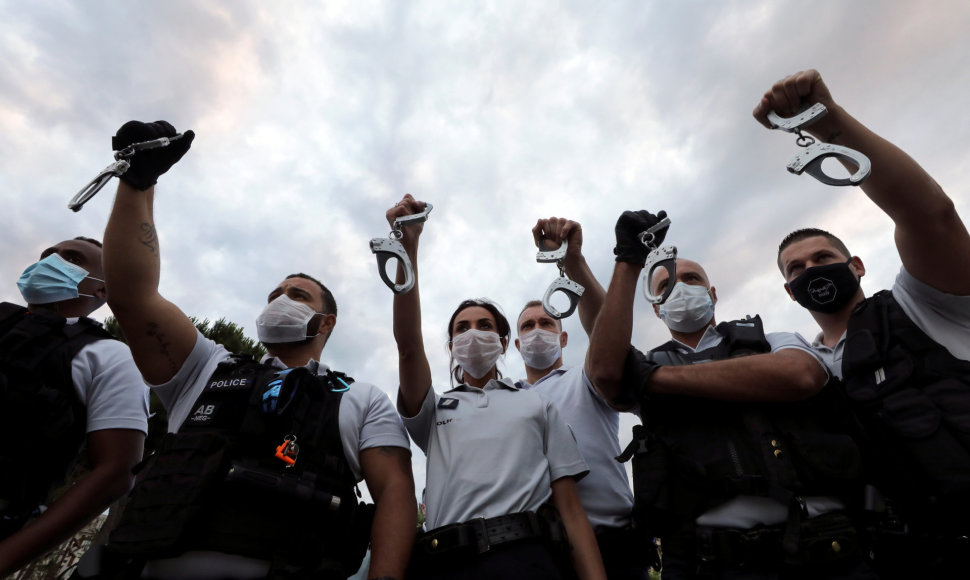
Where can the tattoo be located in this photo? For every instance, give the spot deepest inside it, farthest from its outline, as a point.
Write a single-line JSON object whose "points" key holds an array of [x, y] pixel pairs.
{"points": [[163, 344], [833, 136], [149, 238]]}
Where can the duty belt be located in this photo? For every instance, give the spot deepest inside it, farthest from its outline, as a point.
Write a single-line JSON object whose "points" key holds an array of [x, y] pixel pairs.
{"points": [[479, 535], [827, 538]]}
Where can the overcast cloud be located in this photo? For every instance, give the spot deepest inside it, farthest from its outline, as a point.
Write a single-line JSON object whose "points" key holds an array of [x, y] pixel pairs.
{"points": [[313, 118]]}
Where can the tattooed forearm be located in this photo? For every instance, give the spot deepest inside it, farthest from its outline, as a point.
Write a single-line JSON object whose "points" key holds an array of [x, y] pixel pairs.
{"points": [[163, 344], [149, 238]]}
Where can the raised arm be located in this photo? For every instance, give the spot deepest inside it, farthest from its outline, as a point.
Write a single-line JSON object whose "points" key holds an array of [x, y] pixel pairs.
{"points": [[931, 238], [413, 369], [556, 230], [159, 334], [609, 343], [387, 471]]}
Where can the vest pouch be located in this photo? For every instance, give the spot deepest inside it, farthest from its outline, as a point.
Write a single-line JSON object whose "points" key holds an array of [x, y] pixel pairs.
{"points": [[651, 486], [826, 462], [874, 379], [170, 494]]}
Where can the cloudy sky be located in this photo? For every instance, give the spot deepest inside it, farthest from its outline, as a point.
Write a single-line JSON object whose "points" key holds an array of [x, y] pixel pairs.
{"points": [[313, 118]]}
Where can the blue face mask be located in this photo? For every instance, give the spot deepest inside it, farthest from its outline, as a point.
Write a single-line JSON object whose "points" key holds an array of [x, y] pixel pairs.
{"points": [[52, 279]]}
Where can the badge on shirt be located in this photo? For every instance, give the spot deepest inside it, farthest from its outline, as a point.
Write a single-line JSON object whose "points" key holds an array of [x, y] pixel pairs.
{"points": [[447, 403]]}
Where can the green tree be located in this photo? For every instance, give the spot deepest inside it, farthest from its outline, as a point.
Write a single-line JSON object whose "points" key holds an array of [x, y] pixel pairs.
{"points": [[227, 333]]}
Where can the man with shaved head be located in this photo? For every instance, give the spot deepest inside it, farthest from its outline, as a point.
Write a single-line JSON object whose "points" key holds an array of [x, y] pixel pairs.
{"points": [[741, 465]]}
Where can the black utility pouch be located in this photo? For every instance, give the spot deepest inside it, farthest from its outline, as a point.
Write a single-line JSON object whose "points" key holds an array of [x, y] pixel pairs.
{"points": [[170, 495]]}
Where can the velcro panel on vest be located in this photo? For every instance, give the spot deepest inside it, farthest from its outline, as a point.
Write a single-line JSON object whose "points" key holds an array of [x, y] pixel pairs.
{"points": [[178, 482], [913, 399], [42, 422]]}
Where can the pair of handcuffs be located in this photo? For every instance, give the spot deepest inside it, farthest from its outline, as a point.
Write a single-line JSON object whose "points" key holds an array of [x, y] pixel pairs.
{"points": [[572, 290], [116, 169], [814, 152], [391, 248], [659, 257]]}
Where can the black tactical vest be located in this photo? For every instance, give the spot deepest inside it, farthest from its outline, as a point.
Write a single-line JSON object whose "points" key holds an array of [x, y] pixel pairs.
{"points": [[42, 422], [692, 454], [256, 469], [912, 398]]}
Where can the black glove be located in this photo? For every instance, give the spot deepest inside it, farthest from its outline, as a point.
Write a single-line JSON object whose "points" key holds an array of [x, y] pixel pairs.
{"points": [[147, 165], [628, 228]]}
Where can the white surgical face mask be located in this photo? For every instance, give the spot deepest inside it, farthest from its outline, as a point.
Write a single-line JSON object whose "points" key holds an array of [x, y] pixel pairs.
{"points": [[540, 348], [688, 308], [284, 320], [476, 351]]}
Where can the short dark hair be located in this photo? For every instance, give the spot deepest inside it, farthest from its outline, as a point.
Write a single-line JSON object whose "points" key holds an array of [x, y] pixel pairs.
{"points": [[329, 304], [501, 322], [531, 304], [804, 234], [89, 240]]}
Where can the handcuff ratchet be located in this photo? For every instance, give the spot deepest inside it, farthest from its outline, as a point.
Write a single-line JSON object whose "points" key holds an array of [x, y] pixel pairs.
{"points": [[572, 290], [390, 248], [811, 157], [116, 169], [659, 257]]}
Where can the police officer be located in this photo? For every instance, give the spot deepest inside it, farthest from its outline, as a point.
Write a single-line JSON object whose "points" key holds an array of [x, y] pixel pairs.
{"points": [[605, 492], [904, 354], [497, 455], [740, 465], [258, 479], [63, 383]]}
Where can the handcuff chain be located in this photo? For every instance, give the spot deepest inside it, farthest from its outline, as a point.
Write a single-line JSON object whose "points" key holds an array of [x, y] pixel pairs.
{"points": [[803, 140]]}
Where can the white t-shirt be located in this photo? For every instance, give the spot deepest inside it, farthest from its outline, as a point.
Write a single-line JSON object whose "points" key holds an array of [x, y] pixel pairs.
{"points": [[108, 384], [491, 451], [605, 492]]}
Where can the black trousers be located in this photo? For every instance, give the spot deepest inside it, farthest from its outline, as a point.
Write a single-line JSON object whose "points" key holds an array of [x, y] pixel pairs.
{"points": [[626, 554], [529, 560], [676, 568]]}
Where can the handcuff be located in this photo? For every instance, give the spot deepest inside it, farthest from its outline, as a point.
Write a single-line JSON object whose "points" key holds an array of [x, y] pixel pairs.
{"points": [[390, 247], [659, 257], [814, 152], [116, 169], [572, 290]]}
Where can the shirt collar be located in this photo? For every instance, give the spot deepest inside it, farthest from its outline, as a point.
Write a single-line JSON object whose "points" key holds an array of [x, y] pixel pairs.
{"points": [[710, 338], [553, 372], [504, 382], [314, 366]]}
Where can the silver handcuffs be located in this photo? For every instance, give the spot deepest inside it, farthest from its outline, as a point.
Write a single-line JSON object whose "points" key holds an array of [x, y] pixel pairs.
{"points": [[659, 257], [116, 169], [572, 290], [809, 160], [390, 248]]}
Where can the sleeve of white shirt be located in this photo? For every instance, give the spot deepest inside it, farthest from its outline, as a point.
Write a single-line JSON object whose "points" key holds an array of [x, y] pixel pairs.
{"points": [[419, 426], [562, 451], [783, 340], [367, 419], [110, 386]]}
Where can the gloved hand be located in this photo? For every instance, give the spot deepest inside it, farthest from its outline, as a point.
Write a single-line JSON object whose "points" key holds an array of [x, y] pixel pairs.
{"points": [[628, 228], [147, 165]]}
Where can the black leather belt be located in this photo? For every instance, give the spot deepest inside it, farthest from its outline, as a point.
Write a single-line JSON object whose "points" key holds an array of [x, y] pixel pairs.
{"points": [[479, 535]]}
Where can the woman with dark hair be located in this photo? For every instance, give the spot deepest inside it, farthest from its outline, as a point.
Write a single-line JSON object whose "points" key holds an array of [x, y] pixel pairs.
{"points": [[502, 464]]}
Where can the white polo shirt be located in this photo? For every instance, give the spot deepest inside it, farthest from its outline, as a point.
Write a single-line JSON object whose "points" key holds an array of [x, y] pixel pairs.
{"points": [[491, 451], [605, 492]]}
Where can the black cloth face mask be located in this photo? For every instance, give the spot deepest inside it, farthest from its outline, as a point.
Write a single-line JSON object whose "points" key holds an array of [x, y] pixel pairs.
{"points": [[825, 289]]}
